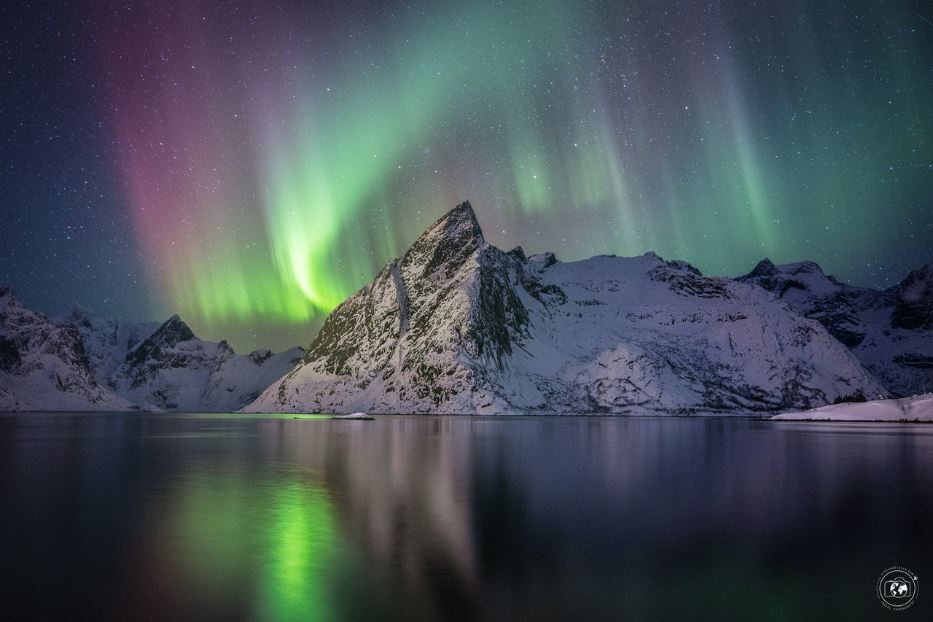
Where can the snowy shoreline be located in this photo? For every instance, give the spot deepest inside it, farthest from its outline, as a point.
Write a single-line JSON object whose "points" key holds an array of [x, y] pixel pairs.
{"points": [[918, 408]]}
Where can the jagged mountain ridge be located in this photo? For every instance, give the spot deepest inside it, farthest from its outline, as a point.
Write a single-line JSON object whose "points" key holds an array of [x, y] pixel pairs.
{"points": [[43, 365], [173, 369], [890, 331], [458, 326], [83, 361]]}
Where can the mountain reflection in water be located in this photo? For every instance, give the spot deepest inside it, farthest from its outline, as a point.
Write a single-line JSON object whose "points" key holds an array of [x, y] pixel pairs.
{"points": [[222, 517]]}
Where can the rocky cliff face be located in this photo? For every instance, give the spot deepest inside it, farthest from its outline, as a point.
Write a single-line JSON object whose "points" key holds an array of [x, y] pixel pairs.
{"points": [[889, 331], [44, 366], [459, 326]]}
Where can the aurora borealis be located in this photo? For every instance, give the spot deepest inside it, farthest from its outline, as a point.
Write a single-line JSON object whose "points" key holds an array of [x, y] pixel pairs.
{"points": [[248, 165]]}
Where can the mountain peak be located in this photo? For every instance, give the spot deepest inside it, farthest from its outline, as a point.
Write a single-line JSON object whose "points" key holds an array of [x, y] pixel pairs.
{"points": [[447, 243], [172, 332], [6, 295], [921, 278], [463, 211], [914, 306], [459, 222], [8, 299], [765, 267], [807, 266]]}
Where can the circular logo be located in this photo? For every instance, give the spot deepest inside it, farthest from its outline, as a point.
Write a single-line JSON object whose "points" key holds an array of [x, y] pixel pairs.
{"points": [[897, 588]]}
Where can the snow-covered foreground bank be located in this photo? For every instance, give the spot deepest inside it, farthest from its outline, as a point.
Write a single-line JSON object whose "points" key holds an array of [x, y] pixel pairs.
{"points": [[916, 408]]}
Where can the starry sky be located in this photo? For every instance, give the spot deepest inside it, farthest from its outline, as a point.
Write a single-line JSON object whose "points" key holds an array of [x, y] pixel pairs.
{"points": [[250, 164]]}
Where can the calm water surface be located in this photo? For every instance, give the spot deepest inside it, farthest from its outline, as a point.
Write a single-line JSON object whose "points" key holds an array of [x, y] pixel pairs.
{"points": [[221, 517]]}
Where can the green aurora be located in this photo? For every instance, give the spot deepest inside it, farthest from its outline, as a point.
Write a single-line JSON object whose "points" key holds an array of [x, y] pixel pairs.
{"points": [[274, 161]]}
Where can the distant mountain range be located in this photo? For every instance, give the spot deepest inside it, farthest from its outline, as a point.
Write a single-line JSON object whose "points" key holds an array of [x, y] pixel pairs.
{"points": [[457, 325], [82, 361]]}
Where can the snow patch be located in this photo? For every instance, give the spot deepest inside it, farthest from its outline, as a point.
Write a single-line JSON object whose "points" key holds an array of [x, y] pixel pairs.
{"points": [[916, 408]]}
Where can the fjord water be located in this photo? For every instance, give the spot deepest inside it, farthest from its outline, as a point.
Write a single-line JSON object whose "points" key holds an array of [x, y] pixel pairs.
{"points": [[228, 517]]}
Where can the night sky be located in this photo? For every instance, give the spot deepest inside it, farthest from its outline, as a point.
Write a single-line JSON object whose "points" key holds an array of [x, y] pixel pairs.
{"points": [[248, 165]]}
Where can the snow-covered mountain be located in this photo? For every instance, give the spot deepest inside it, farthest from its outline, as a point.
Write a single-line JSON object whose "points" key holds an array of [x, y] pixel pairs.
{"points": [[458, 326], [889, 331], [173, 369], [83, 361], [43, 365]]}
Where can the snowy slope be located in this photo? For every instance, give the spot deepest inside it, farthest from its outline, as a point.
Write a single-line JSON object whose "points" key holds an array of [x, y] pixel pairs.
{"points": [[43, 366], [917, 408], [173, 369], [459, 326], [890, 331]]}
